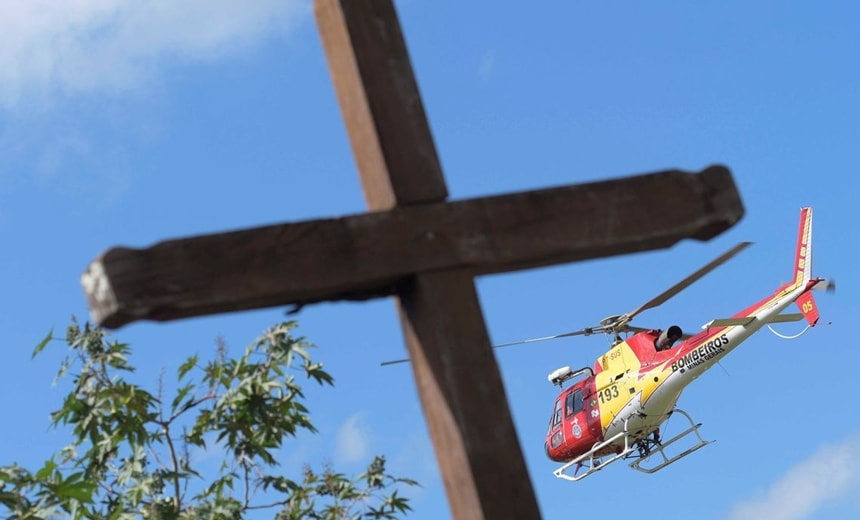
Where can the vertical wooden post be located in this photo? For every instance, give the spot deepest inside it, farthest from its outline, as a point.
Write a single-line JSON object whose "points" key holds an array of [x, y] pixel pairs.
{"points": [[459, 383], [463, 398]]}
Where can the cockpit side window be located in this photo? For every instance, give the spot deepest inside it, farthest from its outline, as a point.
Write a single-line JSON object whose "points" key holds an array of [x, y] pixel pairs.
{"points": [[573, 403], [556, 416]]}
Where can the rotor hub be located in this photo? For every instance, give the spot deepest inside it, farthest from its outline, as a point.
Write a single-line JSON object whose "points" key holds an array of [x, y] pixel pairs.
{"points": [[611, 321]]}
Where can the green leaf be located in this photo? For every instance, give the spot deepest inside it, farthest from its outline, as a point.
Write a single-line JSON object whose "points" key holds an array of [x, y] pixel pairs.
{"points": [[187, 366], [47, 470], [76, 487], [180, 395], [42, 344]]}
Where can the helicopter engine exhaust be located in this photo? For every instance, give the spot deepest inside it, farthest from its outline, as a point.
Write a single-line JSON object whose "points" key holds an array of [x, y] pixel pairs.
{"points": [[668, 337]]}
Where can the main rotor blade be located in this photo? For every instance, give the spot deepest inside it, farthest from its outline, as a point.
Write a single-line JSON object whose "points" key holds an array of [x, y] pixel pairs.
{"points": [[583, 332], [658, 300], [686, 282], [395, 362]]}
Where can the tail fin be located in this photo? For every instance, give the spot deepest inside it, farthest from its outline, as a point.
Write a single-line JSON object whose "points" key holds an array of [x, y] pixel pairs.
{"points": [[803, 267], [803, 255], [807, 306]]}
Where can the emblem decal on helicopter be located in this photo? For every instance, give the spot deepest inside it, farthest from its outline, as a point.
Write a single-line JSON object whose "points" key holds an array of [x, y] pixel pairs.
{"points": [[577, 430], [595, 413], [698, 356]]}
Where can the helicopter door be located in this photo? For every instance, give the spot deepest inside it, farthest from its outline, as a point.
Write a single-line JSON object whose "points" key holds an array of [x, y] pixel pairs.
{"points": [[578, 418]]}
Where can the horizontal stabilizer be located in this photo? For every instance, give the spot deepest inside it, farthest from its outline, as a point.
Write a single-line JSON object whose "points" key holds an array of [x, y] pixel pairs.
{"points": [[784, 318], [746, 320], [726, 322]]}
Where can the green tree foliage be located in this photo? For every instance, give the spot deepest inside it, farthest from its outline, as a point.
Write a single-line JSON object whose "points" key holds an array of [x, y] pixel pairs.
{"points": [[131, 450]]}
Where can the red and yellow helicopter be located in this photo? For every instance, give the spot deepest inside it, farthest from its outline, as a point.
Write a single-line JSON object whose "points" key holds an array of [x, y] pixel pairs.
{"points": [[615, 410]]}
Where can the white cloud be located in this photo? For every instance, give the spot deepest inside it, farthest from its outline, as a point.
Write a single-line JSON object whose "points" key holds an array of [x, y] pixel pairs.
{"points": [[830, 474], [50, 47], [353, 440]]}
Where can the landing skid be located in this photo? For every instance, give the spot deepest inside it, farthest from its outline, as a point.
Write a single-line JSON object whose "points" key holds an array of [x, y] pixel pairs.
{"points": [[642, 449], [650, 447]]}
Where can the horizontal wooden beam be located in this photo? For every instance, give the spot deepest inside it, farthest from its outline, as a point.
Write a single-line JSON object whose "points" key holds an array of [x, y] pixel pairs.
{"points": [[365, 256]]}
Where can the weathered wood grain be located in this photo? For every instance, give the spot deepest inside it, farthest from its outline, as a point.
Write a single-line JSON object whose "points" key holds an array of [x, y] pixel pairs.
{"points": [[380, 103], [364, 256]]}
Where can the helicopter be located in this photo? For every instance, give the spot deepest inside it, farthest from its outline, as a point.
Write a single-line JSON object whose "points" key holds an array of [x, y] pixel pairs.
{"points": [[615, 409]]}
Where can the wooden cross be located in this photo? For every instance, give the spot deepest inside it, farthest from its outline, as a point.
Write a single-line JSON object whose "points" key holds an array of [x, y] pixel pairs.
{"points": [[419, 249]]}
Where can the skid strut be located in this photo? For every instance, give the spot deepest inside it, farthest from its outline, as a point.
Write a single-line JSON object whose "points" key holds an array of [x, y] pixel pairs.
{"points": [[649, 448], [640, 448], [593, 464]]}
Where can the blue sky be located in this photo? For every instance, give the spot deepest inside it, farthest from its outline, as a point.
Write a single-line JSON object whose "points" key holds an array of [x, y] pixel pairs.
{"points": [[126, 123]]}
